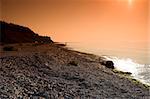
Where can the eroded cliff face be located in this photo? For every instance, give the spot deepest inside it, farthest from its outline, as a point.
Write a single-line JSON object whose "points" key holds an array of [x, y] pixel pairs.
{"points": [[12, 33]]}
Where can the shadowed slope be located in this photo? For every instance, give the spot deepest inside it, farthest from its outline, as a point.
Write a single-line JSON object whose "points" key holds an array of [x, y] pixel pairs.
{"points": [[11, 33]]}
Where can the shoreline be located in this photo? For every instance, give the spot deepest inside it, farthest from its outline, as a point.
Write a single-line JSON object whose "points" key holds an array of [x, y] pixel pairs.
{"points": [[64, 45], [82, 72], [115, 59]]}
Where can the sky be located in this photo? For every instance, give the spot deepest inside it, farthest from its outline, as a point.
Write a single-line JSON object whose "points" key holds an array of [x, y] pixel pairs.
{"points": [[81, 20]]}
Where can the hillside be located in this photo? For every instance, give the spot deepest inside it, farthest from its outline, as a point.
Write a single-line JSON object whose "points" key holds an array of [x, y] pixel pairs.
{"points": [[12, 33]]}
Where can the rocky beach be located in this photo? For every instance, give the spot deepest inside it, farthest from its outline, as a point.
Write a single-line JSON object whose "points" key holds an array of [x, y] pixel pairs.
{"points": [[50, 71], [37, 70]]}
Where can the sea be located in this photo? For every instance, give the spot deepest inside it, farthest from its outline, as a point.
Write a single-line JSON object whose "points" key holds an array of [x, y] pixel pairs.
{"points": [[127, 56]]}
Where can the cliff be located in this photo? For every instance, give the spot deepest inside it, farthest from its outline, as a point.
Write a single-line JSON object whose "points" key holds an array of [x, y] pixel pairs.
{"points": [[12, 33]]}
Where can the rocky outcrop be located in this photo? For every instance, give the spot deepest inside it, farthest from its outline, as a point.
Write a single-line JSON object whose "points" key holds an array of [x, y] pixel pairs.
{"points": [[12, 33]]}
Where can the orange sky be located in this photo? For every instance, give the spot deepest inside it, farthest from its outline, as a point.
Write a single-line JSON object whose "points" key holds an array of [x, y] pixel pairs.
{"points": [[149, 21], [81, 20]]}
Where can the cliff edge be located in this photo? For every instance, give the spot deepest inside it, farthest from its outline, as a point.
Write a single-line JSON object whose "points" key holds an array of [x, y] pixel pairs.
{"points": [[12, 33]]}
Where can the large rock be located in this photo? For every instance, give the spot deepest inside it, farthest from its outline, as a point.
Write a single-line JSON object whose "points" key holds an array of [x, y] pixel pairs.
{"points": [[108, 64]]}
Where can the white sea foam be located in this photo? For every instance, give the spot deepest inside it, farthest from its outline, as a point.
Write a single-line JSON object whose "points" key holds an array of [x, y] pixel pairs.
{"points": [[131, 57], [139, 71]]}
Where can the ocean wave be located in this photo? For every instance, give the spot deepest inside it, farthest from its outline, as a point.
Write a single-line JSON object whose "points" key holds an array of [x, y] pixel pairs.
{"points": [[139, 71]]}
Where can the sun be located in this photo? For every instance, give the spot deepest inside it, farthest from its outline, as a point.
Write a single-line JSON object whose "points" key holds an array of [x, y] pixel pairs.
{"points": [[130, 2]]}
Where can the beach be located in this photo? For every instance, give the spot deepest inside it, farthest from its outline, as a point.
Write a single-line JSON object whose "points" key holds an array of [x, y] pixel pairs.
{"points": [[53, 71], [127, 56]]}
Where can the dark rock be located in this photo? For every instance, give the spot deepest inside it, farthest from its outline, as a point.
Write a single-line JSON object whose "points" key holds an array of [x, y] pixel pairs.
{"points": [[108, 64], [73, 63]]}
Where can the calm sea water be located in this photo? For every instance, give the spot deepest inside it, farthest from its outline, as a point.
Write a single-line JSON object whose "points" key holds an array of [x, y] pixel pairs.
{"points": [[133, 57]]}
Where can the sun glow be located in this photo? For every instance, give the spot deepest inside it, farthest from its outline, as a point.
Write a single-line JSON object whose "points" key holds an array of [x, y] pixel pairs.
{"points": [[130, 2]]}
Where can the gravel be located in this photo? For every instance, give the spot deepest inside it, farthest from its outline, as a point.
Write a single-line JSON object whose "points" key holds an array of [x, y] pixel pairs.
{"points": [[46, 72]]}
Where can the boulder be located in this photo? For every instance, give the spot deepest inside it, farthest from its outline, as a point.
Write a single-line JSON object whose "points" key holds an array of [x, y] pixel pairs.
{"points": [[108, 64]]}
